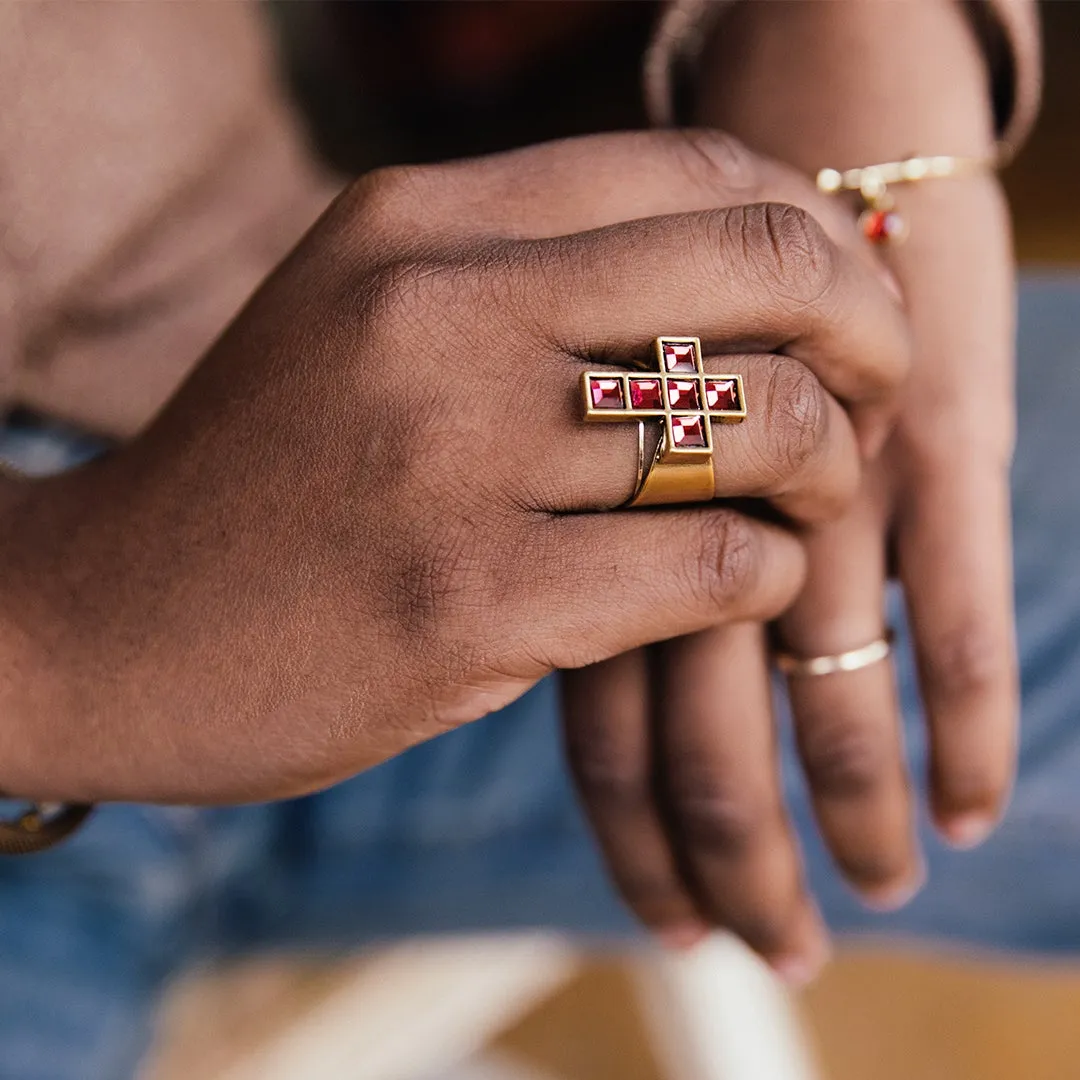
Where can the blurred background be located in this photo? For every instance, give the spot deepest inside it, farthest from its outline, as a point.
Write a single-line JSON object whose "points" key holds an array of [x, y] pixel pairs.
{"points": [[542, 1011]]}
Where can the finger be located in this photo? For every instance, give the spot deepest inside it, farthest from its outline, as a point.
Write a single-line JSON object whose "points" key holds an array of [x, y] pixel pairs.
{"points": [[952, 527], [954, 553], [573, 185], [795, 447], [609, 749], [613, 582], [848, 724], [720, 790], [762, 277]]}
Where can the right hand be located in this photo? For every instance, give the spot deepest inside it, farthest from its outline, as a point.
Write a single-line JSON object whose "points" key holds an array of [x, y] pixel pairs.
{"points": [[373, 512]]}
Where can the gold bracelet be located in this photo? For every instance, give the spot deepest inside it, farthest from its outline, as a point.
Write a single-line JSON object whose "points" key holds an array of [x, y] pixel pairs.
{"points": [[879, 220], [41, 826]]}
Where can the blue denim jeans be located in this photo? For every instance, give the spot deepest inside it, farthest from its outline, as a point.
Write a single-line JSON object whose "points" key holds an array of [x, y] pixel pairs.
{"points": [[479, 830]]}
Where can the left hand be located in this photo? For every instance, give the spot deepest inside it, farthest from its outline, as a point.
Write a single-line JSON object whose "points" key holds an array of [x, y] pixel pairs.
{"points": [[937, 500], [939, 497]]}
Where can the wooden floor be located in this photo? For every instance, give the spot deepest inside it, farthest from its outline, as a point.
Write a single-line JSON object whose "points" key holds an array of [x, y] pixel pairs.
{"points": [[874, 1016]]}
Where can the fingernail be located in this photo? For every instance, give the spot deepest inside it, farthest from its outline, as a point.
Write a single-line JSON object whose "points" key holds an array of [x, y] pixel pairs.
{"points": [[799, 971], [968, 831], [896, 895], [682, 937]]}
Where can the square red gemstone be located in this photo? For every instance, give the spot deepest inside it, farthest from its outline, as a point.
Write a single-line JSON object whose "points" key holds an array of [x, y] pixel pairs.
{"points": [[682, 394], [678, 355], [645, 394], [688, 431], [722, 395], [606, 393]]}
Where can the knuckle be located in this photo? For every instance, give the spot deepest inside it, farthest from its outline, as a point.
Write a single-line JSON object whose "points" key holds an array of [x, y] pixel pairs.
{"points": [[785, 250], [717, 161], [965, 663], [725, 565], [843, 762], [715, 819], [606, 775], [387, 200], [798, 413]]}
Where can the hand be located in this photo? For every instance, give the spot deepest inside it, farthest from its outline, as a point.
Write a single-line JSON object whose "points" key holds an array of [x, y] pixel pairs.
{"points": [[940, 497], [901, 76], [369, 515], [905, 77]]}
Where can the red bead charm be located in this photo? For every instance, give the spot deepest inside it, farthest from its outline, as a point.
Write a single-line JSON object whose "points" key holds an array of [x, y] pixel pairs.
{"points": [[883, 226]]}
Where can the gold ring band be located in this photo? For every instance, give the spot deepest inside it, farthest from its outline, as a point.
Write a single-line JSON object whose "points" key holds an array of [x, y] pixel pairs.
{"points": [[852, 660], [687, 400], [640, 462]]}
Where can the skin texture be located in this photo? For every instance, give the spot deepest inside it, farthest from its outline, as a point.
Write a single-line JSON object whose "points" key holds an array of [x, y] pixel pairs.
{"points": [[905, 78], [300, 568]]}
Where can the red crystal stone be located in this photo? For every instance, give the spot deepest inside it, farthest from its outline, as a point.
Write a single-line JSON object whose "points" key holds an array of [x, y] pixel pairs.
{"points": [[688, 431], [880, 226], [645, 394], [679, 355], [722, 395], [682, 394], [606, 393]]}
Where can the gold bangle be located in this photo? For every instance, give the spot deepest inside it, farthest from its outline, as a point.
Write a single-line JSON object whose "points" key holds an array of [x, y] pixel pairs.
{"points": [[879, 220]]}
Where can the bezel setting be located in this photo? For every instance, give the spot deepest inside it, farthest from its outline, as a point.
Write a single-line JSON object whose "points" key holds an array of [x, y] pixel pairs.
{"points": [[681, 442]]}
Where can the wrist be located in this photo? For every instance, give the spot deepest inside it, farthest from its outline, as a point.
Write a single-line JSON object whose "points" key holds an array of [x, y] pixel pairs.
{"points": [[38, 758], [21, 683], [848, 82]]}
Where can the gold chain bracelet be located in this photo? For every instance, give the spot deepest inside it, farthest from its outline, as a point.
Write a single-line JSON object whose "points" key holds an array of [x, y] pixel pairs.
{"points": [[879, 220], [41, 826]]}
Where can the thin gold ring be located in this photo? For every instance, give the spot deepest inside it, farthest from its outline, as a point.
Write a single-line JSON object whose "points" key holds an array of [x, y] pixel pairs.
{"points": [[852, 660]]}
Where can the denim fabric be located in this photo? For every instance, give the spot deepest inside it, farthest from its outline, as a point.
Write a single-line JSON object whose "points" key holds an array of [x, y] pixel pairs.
{"points": [[479, 829]]}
